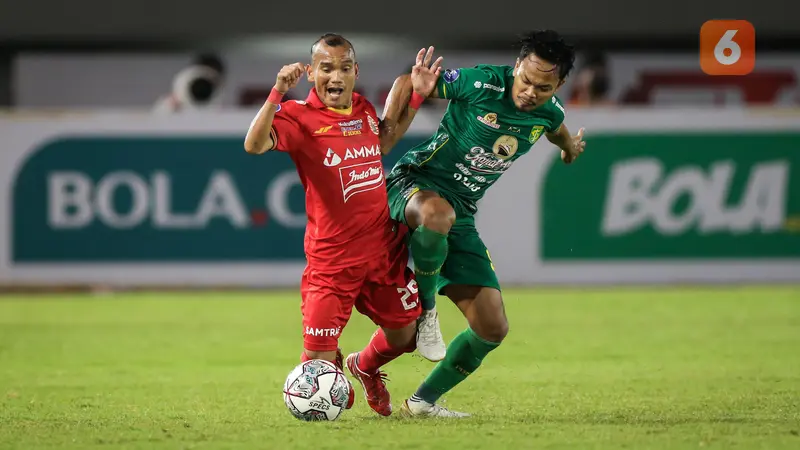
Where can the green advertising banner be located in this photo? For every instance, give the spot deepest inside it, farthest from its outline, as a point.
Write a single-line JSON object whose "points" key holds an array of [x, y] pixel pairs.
{"points": [[675, 195], [158, 199]]}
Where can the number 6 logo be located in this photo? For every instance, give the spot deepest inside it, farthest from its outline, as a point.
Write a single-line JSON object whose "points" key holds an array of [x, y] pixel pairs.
{"points": [[727, 44], [727, 47]]}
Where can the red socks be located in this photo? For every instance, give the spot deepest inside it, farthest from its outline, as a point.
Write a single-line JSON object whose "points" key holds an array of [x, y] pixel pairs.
{"points": [[378, 353], [375, 355]]}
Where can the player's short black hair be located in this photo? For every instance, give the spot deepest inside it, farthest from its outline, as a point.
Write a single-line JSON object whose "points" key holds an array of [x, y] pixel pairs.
{"points": [[551, 47], [333, 40]]}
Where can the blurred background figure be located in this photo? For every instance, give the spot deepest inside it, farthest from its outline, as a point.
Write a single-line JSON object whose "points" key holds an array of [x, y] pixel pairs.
{"points": [[591, 85], [196, 87]]}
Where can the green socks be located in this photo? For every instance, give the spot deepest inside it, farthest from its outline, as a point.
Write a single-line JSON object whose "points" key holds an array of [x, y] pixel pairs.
{"points": [[429, 251], [464, 355], [467, 350]]}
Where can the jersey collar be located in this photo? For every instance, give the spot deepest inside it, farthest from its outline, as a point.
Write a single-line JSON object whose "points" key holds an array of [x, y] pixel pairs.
{"points": [[314, 100]]}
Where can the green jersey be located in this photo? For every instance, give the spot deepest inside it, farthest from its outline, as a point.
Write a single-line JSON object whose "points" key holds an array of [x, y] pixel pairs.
{"points": [[480, 135]]}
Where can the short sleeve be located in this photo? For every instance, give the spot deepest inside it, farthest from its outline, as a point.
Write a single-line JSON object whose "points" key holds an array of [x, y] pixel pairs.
{"points": [[466, 83], [558, 114], [286, 133]]}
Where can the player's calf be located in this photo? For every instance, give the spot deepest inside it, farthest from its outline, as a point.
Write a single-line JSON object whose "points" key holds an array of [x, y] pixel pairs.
{"points": [[385, 346], [431, 217], [488, 326]]}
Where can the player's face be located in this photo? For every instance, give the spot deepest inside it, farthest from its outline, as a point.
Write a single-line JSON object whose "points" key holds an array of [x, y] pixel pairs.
{"points": [[535, 83], [333, 71]]}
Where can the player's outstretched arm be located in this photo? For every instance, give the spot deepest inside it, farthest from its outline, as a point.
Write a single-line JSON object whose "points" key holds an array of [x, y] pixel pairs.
{"points": [[396, 114], [407, 94], [571, 146], [258, 139]]}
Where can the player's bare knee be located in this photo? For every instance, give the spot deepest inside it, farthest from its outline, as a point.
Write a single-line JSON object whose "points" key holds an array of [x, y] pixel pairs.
{"points": [[491, 329], [484, 310], [429, 209], [490, 326], [438, 215], [498, 330]]}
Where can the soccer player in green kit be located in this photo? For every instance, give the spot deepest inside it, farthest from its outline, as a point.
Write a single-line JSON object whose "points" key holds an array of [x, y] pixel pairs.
{"points": [[494, 115]]}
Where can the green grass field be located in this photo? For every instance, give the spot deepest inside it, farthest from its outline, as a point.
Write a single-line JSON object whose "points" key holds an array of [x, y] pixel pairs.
{"points": [[662, 368]]}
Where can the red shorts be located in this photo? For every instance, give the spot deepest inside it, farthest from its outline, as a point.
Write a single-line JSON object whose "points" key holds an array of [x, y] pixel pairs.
{"points": [[383, 290]]}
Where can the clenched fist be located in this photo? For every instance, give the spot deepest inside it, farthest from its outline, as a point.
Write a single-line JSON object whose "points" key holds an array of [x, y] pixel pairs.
{"points": [[289, 76]]}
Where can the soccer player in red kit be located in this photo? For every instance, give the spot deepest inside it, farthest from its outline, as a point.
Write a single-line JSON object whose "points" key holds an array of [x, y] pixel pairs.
{"points": [[356, 255]]}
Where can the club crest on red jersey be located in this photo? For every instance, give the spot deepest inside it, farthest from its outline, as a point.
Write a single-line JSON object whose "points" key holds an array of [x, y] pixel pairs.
{"points": [[373, 125]]}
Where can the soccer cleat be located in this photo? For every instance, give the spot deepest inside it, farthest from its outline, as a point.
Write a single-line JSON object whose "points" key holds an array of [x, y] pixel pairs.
{"points": [[430, 343], [374, 386], [422, 408], [352, 397]]}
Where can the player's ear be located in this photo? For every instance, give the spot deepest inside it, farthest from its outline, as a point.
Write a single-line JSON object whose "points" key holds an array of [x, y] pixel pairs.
{"points": [[310, 73], [561, 82], [356, 68], [516, 66]]}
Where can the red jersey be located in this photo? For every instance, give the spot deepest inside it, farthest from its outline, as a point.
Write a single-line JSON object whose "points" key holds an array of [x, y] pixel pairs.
{"points": [[338, 158]]}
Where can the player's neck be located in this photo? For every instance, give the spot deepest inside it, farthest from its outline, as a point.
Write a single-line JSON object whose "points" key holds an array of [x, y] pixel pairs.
{"points": [[345, 111]]}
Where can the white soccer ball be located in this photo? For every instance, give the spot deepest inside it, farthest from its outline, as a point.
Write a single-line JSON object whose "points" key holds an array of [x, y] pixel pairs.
{"points": [[316, 390]]}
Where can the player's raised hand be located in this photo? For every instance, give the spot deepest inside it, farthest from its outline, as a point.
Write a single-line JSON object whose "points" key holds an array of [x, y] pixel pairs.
{"points": [[578, 145], [424, 75], [289, 76]]}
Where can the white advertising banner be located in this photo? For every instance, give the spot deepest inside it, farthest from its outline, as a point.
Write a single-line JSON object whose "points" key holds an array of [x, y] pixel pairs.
{"points": [[658, 197]]}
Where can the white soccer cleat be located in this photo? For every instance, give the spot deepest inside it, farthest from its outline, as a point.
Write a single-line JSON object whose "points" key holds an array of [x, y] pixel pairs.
{"points": [[422, 408], [430, 343]]}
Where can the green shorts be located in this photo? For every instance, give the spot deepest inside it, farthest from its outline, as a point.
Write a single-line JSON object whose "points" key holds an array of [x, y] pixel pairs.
{"points": [[468, 261]]}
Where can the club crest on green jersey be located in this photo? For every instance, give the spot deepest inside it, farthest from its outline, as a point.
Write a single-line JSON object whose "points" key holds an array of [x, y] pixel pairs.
{"points": [[536, 133], [505, 147]]}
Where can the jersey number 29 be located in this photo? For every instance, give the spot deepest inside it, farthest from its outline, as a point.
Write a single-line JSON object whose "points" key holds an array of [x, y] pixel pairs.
{"points": [[407, 292]]}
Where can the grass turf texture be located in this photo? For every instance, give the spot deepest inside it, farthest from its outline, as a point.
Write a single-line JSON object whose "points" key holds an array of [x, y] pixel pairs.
{"points": [[662, 368]]}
